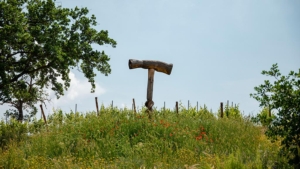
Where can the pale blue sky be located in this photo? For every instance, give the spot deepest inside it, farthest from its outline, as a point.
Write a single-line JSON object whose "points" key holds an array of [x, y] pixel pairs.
{"points": [[218, 50]]}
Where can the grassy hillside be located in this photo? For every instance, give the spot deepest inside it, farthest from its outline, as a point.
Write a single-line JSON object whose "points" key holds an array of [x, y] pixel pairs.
{"points": [[118, 138]]}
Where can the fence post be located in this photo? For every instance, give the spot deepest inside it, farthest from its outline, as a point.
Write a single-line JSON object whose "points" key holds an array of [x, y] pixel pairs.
{"points": [[221, 108], [97, 109], [133, 102], [227, 104], [44, 117], [176, 107], [227, 109]]}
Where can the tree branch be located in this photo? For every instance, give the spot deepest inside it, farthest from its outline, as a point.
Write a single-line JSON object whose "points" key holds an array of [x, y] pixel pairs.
{"points": [[15, 78], [15, 53]]}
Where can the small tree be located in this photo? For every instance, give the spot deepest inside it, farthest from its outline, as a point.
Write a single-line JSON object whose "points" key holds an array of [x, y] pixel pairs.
{"points": [[284, 97], [264, 118], [25, 98]]}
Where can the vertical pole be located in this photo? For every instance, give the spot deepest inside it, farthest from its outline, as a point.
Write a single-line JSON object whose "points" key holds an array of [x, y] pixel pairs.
{"points": [[177, 107], [188, 105], [133, 102], [112, 104], [197, 106], [227, 108], [97, 109], [231, 104], [75, 108], [221, 108], [149, 103], [43, 114]]}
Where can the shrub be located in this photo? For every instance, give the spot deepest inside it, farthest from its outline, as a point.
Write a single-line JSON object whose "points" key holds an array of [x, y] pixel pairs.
{"points": [[284, 96]]}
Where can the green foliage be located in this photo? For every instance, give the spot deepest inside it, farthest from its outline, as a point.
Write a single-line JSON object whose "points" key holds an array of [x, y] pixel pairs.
{"points": [[25, 100], [13, 131], [284, 97], [41, 42], [231, 112], [13, 113], [118, 138], [263, 118]]}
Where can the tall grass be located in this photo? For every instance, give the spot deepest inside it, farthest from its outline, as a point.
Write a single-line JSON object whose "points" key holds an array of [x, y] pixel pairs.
{"points": [[118, 138]]}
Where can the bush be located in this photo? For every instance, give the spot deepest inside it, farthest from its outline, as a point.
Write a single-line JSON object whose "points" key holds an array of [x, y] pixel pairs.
{"points": [[263, 118], [284, 96]]}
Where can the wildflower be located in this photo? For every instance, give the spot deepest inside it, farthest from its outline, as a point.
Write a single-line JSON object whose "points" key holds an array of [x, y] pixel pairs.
{"points": [[167, 124], [199, 137], [161, 122]]}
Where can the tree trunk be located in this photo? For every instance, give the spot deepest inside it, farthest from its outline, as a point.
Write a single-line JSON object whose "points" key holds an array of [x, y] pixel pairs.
{"points": [[20, 109]]}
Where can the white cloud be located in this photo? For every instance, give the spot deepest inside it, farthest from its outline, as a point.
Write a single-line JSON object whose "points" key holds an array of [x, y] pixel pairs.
{"points": [[79, 90]]}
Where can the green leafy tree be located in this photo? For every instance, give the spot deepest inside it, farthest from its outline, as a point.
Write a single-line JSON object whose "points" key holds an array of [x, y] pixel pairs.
{"points": [[43, 41], [264, 118], [283, 95], [25, 99]]}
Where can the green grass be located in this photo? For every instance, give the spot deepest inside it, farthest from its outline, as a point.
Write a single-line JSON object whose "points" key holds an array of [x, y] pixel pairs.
{"points": [[118, 138]]}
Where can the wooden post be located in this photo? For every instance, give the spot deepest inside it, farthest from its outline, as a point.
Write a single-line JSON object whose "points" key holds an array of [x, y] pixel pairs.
{"points": [[97, 109], [133, 102], [176, 107], [149, 102], [43, 114], [227, 109], [221, 108]]}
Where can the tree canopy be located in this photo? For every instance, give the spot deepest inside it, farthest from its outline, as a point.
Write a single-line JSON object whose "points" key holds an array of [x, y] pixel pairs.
{"points": [[42, 41], [283, 95]]}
